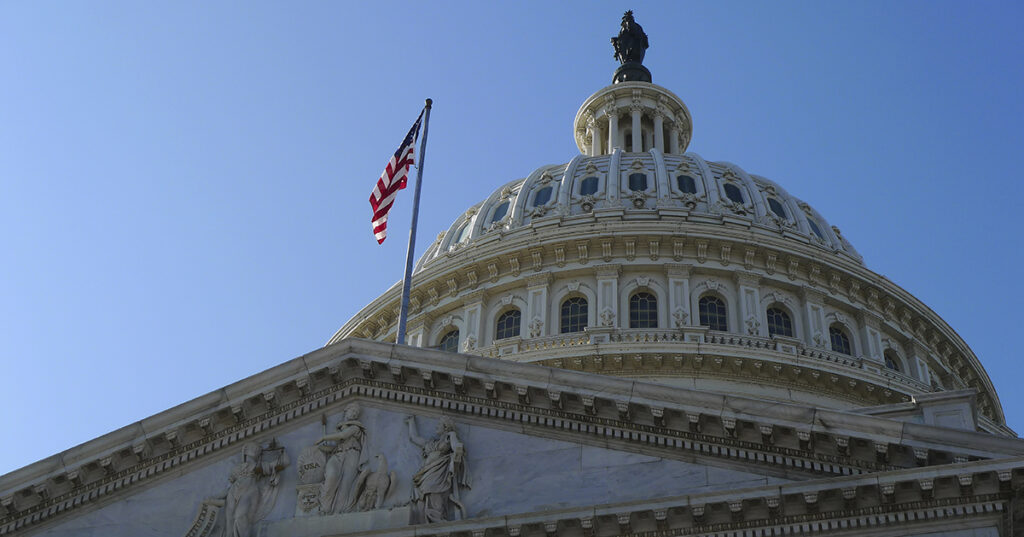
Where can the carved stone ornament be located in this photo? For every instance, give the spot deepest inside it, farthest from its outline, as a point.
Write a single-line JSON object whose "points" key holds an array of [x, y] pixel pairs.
{"points": [[437, 485], [680, 317], [535, 327], [469, 344], [250, 496], [607, 317], [752, 325]]}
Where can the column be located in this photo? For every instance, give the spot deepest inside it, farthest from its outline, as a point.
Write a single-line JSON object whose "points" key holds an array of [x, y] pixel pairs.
{"points": [[637, 141], [679, 295], [415, 334], [749, 301], [613, 129], [607, 296], [473, 319], [871, 336], [536, 306], [673, 141], [917, 359], [814, 312], [595, 138], [659, 128]]}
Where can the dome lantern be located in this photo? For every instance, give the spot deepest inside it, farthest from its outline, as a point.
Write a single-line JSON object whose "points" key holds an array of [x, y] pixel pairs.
{"points": [[633, 114]]}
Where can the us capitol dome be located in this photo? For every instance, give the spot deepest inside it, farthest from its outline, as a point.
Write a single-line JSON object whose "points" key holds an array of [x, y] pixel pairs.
{"points": [[639, 259], [638, 342]]}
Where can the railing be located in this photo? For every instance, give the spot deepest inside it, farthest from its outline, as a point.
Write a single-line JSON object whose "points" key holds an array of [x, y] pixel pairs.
{"points": [[783, 346]]}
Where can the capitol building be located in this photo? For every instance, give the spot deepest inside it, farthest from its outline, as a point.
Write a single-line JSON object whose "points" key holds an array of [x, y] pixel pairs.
{"points": [[637, 341]]}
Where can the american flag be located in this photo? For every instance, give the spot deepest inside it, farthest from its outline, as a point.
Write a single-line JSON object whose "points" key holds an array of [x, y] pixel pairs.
{"points": [[392, 180]]}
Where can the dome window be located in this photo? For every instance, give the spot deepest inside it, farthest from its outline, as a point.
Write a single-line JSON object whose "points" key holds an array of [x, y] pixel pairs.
{"points": [[464, 232], [733, 193], [892, 360], [574, 315], [777, 208], [840, 341], [542, 196], [643, 311], [588, 187], [815, 228], [712, 313], [450, 341], [638, 182], [686, 184], [508, 324], [500, 212], [779, 323]]}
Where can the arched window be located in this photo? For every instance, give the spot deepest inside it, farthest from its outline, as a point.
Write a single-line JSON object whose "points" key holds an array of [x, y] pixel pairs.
{"points": [[840, 341], [779, 323], [542, 196], [815, 228], [712, 313], [733, 193], [686, 184], [508, 324], [638, 182], [588, 186], [500, 212], [892, 360], [450, 341], [777, 208], [643, 310], [574, 314], [464, 232]]}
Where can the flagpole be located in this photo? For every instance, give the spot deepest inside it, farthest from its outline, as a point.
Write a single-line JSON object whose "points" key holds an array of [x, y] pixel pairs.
{"points": [[407, 280]]}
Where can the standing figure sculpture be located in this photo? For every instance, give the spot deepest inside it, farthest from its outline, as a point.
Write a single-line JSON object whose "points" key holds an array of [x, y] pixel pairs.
{"points": [[436, 485], [630, 47], [253, 488], [631, 44], [345, 447]]}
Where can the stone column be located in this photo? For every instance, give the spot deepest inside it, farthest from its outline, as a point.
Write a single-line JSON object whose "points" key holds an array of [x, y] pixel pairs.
{"points": [[749, 300], [673, 141], [536, 306], [595, 138], [814, 323], [613, 129], [917, 360], [415, 335], [871, 336], [607, 296], [637, 141], [659, 130], [679, 295], [473, 319]]}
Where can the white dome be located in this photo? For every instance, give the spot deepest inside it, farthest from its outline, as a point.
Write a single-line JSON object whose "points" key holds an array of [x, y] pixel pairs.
{"points": [[639, 259], [677, 188]]}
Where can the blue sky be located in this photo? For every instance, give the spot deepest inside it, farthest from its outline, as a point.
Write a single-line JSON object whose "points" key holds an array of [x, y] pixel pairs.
{"points": [[183, 185]]}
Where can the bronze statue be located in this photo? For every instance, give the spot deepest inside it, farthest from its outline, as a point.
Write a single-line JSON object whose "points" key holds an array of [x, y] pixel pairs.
{"points": [[630, 47], [631, 44]]}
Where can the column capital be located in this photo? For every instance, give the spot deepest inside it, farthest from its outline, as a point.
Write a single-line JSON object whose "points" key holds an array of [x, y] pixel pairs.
{"points": [[675, 270], [476, 297], [608, 271]]}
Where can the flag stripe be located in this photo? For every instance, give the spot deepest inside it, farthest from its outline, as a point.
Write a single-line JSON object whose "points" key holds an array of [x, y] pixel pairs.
{"points": [[393, 179]]}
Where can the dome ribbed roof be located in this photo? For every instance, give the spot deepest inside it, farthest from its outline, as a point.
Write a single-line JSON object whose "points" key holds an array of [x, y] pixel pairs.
{"points": [[641, 187]]}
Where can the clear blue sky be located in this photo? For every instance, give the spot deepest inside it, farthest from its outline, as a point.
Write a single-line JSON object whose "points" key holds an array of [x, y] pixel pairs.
{"points": [[183, 185]]}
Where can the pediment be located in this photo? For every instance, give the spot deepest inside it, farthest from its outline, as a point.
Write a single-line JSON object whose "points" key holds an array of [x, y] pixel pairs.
{"points": [[509, 472], [528, 430]]}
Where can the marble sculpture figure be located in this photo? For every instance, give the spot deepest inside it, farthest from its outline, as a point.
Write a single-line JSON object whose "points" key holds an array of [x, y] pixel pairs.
{"points": [[436, 484], [345, 447]]}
